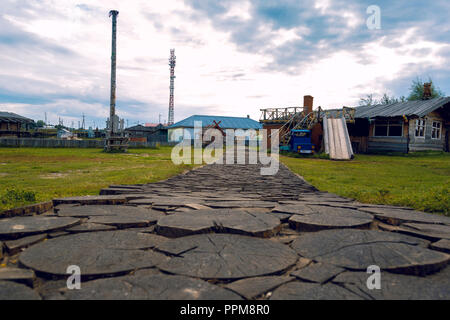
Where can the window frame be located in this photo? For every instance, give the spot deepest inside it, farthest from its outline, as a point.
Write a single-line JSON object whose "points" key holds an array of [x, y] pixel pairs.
{"points": [[417, 125], [439, 129], [388, 124]]}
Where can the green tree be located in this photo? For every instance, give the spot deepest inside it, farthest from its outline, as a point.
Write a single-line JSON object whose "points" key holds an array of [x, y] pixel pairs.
{"points": [[40, 123], [416, 90]]}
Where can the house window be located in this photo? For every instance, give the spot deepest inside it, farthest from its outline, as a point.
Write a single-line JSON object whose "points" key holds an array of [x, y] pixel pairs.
{"points": [[388, 128], [420, 128], [436, 130]]}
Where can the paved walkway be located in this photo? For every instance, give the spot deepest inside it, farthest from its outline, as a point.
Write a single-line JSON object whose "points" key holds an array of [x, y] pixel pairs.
{"points": [[224, 232]]}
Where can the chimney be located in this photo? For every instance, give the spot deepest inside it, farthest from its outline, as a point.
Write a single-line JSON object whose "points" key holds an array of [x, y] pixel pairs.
{"points": [[426, 91], [307, 104], [248, 116]]}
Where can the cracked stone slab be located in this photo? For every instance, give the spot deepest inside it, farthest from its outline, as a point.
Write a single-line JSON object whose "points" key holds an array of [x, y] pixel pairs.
{"points": [[96, 253], [17, 274], [398, 216], [253, 287], [317, 272], [226, 256], [150, 287], [90, 227], [299, 208], [312, 291], [100, 210], [426, 230], [103, 199], [22, 226], [398, 287], [241, 204], [219, 221], [14, 246], [358, 249], [167, 201], [441, 245], [129, 220], [10, 290], [330, 218]]}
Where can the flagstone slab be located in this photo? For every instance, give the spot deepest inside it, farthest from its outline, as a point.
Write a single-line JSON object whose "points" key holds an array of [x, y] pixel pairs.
{"points": [[398, 216], [251, 288], [241, 204], [128, 220], [96, 253], [358, 249], [298, 208], [150, 287], [225, 256], [102, 199], [317, 272], [441, 245], [21, 226], [90, 227], [219, 221], [10, 290], [14, 246], [17, 274], [426, 230], [398, 286], [101, 210], [330, 218], [312, 291]]}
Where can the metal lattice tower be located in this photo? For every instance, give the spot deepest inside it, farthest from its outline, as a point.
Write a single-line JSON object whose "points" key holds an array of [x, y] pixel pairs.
{"points": [[172, 86]]}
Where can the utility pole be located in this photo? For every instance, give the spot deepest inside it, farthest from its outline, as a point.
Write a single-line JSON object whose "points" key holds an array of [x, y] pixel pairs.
{"points": [[112, 103], [172, 61], [83, 124], [115, 140]]}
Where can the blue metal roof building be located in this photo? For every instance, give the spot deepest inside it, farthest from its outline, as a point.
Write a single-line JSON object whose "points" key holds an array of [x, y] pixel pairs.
{"points": [[225, 122]]}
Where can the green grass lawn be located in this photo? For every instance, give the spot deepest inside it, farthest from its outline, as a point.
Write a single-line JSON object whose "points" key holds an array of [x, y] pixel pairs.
{"points": [[419, 180], [30, 175]]}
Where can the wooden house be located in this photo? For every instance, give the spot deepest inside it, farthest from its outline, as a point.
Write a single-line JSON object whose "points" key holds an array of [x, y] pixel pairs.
{"points": [[402, 127]]}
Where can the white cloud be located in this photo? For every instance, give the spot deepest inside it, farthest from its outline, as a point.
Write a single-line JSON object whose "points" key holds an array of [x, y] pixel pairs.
{"points": [[213, 75]]}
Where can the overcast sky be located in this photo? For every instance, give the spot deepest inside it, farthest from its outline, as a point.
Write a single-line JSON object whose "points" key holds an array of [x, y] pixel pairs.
{"points": [[234, 57]]}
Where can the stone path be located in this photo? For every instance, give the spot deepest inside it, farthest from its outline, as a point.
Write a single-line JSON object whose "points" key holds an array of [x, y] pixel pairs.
{"points": [[224, 232]]}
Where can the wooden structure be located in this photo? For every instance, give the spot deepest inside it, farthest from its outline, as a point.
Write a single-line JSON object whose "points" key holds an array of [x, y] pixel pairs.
{"points": [[115, 141], [14, 125], [402, 126], [287, 119]]}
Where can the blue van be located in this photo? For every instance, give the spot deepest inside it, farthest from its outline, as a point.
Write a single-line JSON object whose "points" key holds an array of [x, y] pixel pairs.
{"points": [[301, 141]]}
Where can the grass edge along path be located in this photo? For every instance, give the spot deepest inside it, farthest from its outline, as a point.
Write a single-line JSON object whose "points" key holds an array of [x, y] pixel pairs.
{"points": [[32, 175], [419, 180]]}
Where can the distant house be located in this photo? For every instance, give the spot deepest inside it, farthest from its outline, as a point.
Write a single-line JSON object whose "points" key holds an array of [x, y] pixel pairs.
{"points": [[185, 128], [147, 133], [402, 126], [14, 125]]}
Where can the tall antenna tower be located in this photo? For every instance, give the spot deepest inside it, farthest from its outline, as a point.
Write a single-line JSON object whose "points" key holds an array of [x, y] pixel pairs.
{"points": [[83, 123], [172, 86]]}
